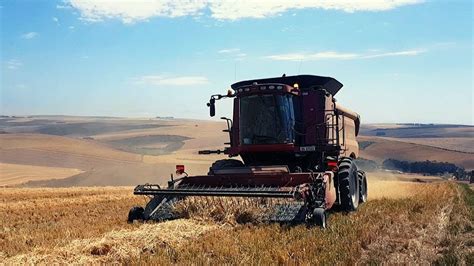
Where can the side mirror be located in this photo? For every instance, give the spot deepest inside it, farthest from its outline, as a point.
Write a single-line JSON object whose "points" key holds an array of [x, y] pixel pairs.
{"points": [[212, 107]]}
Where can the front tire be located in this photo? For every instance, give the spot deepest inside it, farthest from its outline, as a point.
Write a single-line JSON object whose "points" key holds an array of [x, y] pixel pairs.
{"points": [[348, 183], [319, 217], [136, 213]]}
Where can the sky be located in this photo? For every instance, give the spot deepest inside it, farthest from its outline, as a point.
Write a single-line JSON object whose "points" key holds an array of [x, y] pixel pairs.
{"points": [[399, 60]]}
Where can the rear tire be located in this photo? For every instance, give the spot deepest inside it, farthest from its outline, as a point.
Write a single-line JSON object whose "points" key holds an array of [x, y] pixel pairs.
{"points": [[223, 164], [348, 183], [135, 213], [362, 186]]}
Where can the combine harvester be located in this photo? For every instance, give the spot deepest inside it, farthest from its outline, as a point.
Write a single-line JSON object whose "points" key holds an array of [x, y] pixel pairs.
{"points": [[295, 142]]}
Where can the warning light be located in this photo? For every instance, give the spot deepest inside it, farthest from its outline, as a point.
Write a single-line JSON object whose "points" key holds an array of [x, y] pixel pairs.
{"points": [[180, 169], [332, 165]]}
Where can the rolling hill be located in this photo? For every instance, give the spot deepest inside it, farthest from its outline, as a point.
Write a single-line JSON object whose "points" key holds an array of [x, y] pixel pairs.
{"points": [[379, 149], [100, 151], [123, 157]]}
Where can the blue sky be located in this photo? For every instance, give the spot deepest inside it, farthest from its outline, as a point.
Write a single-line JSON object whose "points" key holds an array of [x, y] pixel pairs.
{"points": [[399, 60]]}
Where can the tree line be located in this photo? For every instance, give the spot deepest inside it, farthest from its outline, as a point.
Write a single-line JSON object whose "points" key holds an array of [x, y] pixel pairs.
{"points": [[427, 167]]}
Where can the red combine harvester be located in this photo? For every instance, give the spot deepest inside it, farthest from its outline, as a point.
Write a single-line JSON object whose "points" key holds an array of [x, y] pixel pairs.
{"points": [[295, 142]]}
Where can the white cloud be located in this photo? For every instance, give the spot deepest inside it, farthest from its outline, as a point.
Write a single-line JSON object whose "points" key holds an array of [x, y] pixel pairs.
{"points": [[235, 53], [140, 10], [14, 64], [132, 11], [29, 35], [311, 56], [71, 27], [56, 20], [161, 80], [400, 53], [64, 6], [339, 56], [229, 10], [240, 56], [229, 51]]}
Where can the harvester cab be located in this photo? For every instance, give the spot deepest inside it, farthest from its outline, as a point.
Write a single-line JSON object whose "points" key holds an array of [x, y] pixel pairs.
{"points": [[295, 142]]}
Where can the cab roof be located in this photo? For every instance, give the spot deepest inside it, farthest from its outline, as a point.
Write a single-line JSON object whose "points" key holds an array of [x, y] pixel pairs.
{"points": [[305, 82]]}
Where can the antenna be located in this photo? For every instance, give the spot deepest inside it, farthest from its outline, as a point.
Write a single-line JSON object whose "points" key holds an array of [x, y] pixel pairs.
{"points": [[299, 67], [235, 70]]}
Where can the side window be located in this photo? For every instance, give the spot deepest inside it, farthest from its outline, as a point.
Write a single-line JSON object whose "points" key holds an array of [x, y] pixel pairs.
{"points": [[349, 128], [291, 112], [342, 141]]}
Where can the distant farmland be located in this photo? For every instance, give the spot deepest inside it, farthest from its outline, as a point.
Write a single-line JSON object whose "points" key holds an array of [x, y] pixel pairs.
{"points": [[121, 151]]}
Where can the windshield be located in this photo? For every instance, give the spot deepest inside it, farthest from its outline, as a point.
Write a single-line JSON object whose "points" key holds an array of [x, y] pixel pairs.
{"points": [[266, 119]]}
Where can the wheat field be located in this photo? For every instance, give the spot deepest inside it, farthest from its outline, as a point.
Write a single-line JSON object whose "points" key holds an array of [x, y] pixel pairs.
{"points": [[410, 224]]}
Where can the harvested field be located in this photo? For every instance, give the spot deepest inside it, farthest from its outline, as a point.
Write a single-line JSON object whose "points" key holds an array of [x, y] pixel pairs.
{"points": [[150, 144], [403, 222], [118, 151], [74, 128], [452, 144], [97, 163], [44, 218], [401, 150], [31, 148], [420, 131], [13, 174], [408, 219], [121, 245]]}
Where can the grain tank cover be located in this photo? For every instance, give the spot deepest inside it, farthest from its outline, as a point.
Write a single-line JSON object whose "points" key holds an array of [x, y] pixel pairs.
{"points": [[305, 82]]}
